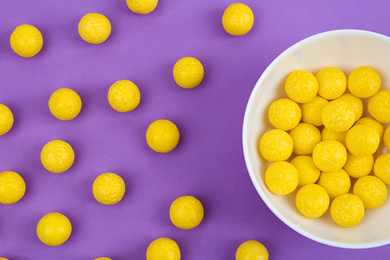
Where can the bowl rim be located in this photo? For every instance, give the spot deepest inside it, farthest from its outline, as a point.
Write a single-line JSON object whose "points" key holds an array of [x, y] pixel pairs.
{"points": [[251, 172]]}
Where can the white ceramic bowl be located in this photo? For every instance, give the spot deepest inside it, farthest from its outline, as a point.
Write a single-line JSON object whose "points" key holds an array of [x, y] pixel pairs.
{"points": [[347, 50]]}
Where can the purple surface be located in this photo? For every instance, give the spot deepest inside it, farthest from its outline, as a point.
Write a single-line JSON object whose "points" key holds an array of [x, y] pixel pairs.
{"points": [[208, 162]]}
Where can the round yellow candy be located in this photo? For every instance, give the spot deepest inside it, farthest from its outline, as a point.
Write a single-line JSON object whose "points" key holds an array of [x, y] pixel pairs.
{"points": [[26, 40], [94, 28], [65, 104], [329, 156], [311, 111], [108, 188], [237, 19], [284, 114], [382, 168], [355, 102], [379, 106], [252, 250], [364, 82], [347, 210], [6, 119], [188, 72], [386, 138], [12, 187], [142, 6], [163, 249], [281, 178], [338, 116], [359, 166], [327, 134], [371, 122], [371, 190], [276, 145], [3, 258], [308, 173], [57, 156], [54, 229], [332, 82], [103, 258], [312, 201], [305, 137], [124, 96], [362, 140], [335, 183], [186, 212], [162, 136], [301, 86]]}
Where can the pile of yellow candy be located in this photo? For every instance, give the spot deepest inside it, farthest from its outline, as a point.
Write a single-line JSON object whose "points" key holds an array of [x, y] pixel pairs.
{"points": [[320, 126]]}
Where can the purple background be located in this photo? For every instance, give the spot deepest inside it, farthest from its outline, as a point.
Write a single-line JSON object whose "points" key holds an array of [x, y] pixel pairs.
{"points": [[208, 162]]}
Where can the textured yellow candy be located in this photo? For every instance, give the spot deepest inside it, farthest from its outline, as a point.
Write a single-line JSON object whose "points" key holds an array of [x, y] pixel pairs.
{"points": [[186, 212], [371, 122], [382, 168], [312, 201], [142, 6], [163, 249], [284, 114], [124, 96], [237, 19], [252, 250], [364, 82], [379, 106], [6, 119], [103, 258], [188, 72], [12, 187], [371, 190], [386, 138], [338, 116], [332, 82], [347, 210], [305, 137], [94, 28], [359, 166], [362, 140], [276, 145], [335, 183], [54, 229], [301, 86], [162, 136], [3, 258], [311, 111], [65, 104], [308, 173], [281, 178], [329, 155], [26, 40], [108, 188], [57, 156], [355, 102], [327, 134]]}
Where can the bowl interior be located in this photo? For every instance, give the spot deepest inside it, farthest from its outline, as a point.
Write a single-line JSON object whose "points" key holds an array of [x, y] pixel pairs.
{"points": [[347, 50]]}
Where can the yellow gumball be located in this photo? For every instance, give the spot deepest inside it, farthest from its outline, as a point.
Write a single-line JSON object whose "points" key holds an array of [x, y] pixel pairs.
{"points": [[305, 137], [355, 102], [371, 122], [12, 187], [108, 188], [338, 116], [347, 210], [65, 104], [6, 119], [311, 111], [359, 166], [237, 19], [103, 258], [276, 145], [335, 183], [3, 258], [162, 136], [329, 155], [327, 134], [284, 114], [362, 140], [163, 249], [26, 40], [54, 229], [301, 86], [382, 168], [186, 212], [364, 82], [332, 83], [308, 173], [188, 72], [252, 250], [386, 138], [281, 178], [94, 28], [371, 190], [57, 156], [124, 96], [379, 106], [142, 6], [312, 201]]}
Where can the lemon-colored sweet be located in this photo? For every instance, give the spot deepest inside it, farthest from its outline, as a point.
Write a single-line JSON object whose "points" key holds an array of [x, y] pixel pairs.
{"points": [[3, 258], [252, 250], [347, 210], [335, 183], [362, 140], [359, 166], [305, 137], [162, 136], [142, 6], [379, 106], [103, 258], [57, 156], [327, 134], [276, 145], [301, 86], [311, 111], [94, 28], [364, 82], [108, 188], [163, 249], [237, 19], [284, 114], [188, 72], [371, 190], [308, 173], [382, 168], [186, 212], [355, 102], [65, 104], [12, 187], [6, 119], [338, 116], [312, 201], [26, 40], [329, 156], [124, 96], [54, 229], [332, 82], [386, 138], [371, 122], [281, 178]]}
